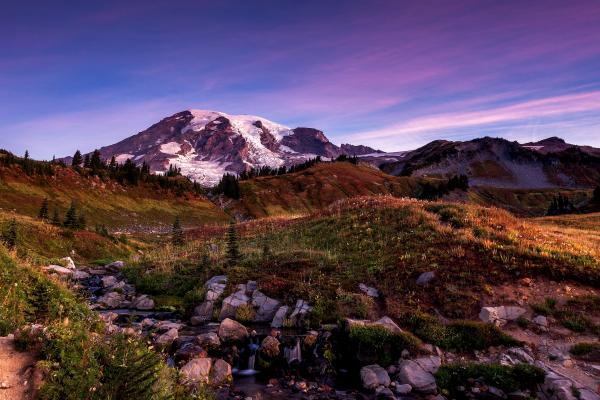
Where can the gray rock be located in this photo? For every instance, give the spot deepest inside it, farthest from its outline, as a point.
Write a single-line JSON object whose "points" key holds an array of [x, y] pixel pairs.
{"points": [[168, 337], [147, 323], [215, 287], [373, 376], [209, 341], [143, 302], [425, 278], [403, 388], [496, 392], [68, 262], [59, 270], [430, 364], [384, 393], [111, 300], [203, 312], [501, 314], [368, 290], [220, 373], [232, 303], [232, 331], [109, 281], [541, 320], [266, 307], [196, 371], [413, 374], [80, 275], [115, 266], [279, 317], [301, 309], [384, 322]]}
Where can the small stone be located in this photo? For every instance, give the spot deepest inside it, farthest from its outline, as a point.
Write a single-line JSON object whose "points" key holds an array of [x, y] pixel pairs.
{"points": [[403, 388], [541, 320], [373, 376], [425, 278]]}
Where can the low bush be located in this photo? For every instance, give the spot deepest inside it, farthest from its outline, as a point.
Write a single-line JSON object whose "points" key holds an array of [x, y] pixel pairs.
{"points": [[458, 335], [375, 344], [508, 378], [587, 351]]}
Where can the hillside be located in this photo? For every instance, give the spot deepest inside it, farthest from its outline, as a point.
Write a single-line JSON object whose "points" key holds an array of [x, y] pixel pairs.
{"points": [[499, 163], [132, 208], [315, 188]]}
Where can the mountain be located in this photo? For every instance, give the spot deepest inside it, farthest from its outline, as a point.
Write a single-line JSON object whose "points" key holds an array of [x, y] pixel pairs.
{"points": [[207, 144], [550, 163]]}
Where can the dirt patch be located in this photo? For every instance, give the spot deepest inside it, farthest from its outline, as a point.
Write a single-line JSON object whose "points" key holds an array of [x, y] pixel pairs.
{"points": [[15, 371]]}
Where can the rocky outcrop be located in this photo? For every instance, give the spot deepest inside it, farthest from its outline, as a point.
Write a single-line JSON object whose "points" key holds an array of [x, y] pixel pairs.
{"points": [[279, 317], [384, 322], [220, 373], [209, 341], [419, 374], [215, 287], [300, 312], [143, 302], [196, 372]]}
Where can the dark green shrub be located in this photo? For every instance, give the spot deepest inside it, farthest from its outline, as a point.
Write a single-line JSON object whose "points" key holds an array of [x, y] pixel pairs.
{"points": [[588, 351], [375, 344], [508, 378], [458, 335]]}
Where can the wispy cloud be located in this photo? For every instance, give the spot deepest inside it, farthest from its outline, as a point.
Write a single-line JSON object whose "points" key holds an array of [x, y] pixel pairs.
{"points": [[548, 107]]}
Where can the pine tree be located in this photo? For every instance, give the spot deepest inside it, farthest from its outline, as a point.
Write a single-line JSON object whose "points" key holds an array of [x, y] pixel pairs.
{"points": [[10, 234], [113, 163], [43, 214], [26, 157], [55, 218], [177, 237], [86, 161], [81, 222], [71, 221], [96, 163], [77, 159], [233, 252]]}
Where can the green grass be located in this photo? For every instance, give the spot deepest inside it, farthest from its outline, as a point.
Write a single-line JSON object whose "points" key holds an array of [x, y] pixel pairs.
{"points": [[376, 344], [586, 351], [574, 314], [507, 378]]}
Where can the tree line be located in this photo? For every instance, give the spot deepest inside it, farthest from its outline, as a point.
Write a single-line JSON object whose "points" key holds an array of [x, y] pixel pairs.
{"points": [[431, 191]]}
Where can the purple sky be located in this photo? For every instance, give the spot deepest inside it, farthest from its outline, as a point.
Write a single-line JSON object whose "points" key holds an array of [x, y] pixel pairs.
{"points": [[390, 74]]}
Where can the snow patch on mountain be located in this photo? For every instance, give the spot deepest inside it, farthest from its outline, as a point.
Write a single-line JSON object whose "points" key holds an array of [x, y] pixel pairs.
{"points": [[170, 148]]}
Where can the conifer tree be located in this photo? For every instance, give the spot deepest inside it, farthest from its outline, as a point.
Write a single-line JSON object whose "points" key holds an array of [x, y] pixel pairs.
{"points": [[43, 214], [10, 234], [81, 221], [113, 163], [177, 237], [71, 221], [55, 218], [233, 251], [77, 159], [86, 161]]}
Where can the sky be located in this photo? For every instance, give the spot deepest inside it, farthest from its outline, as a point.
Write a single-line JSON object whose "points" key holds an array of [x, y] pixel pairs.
{"points": [[391, 74]]}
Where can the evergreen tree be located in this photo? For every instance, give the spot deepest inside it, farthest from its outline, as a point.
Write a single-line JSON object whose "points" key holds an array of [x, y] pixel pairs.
{"points": [[81, 221], [113, 163], [43, 214], [10, 234], [86, 161], [77, 159], [26, 157], [233, 251], [55, 218], [96, 163], [229, 185], [177, 237], [71, 221]]}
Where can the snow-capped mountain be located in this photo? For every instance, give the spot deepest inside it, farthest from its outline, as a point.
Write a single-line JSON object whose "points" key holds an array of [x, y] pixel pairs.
{"points": [[206, 144]]}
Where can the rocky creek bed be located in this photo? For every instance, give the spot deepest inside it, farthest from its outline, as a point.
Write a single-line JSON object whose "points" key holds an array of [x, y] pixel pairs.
{"points": [[272, 356]]}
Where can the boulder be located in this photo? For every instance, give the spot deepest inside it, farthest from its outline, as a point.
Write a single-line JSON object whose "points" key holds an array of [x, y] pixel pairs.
{"points": [[115, 266], [232, 303], [167, 325], [266, 307], [500, 315], [168, 337], [196, 371], [430, 364], [59, 270], [270, 347], [111, 300], [202, 313], [215, 287], [68, 262], [301, 309], [232, 331], [209, 341], [411, 373], [109, 281], [541, 320], [374, 376], [147, 323], [80, 275], [143, 302], [384, 393], [220, 373], [425, 278], [368, 290], [384, 322], [187, 351], [279, 317], [402, 388]]}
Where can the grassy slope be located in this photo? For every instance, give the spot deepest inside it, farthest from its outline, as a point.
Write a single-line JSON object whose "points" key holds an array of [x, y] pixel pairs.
{"points": [[525, 202], [41, 242], [123, 207], [388, 242], [317, 187]]}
